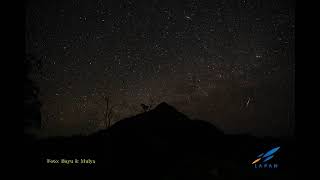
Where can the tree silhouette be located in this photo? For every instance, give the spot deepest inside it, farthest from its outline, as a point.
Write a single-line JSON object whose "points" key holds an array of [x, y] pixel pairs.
{"points": [[150, 104], [145, 107], [109, 112], [31, 103]]}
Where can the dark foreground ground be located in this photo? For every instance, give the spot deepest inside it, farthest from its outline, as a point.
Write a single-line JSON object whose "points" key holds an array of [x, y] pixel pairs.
{"points": [[161, 144]]}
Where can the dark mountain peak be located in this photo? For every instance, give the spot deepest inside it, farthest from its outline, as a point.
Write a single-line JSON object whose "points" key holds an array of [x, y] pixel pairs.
{"points": [[164, 110], [165, 107]]}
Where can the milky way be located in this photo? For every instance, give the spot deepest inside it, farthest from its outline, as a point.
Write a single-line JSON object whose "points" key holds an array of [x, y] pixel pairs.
{"points": [[227, 62]]}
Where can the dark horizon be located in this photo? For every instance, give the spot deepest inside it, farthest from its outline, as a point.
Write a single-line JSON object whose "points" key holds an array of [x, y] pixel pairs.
{"points": [[229, 63], [40, 136]]}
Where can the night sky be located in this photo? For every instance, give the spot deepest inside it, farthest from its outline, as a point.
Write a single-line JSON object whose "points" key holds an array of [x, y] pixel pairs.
{"points": [[227, 62]]}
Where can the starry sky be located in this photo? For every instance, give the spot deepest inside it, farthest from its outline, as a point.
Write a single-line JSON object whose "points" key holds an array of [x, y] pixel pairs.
{"points": [[229, 62]]}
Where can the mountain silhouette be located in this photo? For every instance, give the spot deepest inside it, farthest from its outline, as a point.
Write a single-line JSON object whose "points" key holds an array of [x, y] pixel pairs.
{"points": [[161, 143]]}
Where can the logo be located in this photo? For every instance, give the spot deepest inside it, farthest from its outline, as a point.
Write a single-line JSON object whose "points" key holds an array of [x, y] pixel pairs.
{"points": [[262, 160]]}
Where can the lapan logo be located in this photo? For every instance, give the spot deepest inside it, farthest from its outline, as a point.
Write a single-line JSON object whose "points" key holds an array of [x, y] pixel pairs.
{"points": [[262, 160]]}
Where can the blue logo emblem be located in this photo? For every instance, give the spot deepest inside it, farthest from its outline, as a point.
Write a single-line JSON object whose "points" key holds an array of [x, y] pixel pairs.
{"points": [[262, 158]]}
